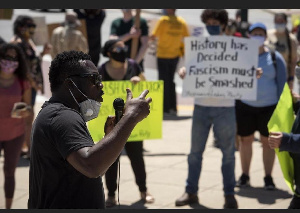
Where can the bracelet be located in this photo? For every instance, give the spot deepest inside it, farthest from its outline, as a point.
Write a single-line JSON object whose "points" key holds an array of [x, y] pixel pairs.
{"points": [[290, 78]]}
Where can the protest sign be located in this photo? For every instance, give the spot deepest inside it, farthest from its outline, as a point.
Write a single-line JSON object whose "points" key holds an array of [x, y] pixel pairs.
{"points": [[6, 14], [221, 67], [149, 128], [40, 36]]}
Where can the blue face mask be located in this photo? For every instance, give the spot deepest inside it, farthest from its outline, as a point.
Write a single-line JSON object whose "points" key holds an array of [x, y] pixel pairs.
{"points": [[213, 29], [261, 39]]}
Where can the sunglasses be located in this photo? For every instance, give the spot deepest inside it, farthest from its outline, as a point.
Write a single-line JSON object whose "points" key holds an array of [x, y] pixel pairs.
{"points": [[96, 79], [119, 49], [28, 25], [9, 58]]}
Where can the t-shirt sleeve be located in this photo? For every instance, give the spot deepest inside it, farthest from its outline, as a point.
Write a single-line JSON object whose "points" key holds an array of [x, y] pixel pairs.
{"points": [[144, 27], [157, 28], [113, 28], [185, 30], [69, 132]]}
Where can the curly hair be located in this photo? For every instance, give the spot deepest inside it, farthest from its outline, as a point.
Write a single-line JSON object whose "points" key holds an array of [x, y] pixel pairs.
{"points": [[20, 20], [219, 14], [22, 70], [63, 65]]}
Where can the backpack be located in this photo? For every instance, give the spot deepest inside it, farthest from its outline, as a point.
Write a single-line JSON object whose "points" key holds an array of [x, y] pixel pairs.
{"points": [[273, 55]]}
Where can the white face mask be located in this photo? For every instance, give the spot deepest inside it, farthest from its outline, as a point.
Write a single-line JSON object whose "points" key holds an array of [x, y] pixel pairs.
{"points": [[261, 39], [280, 27], [89, 108]]}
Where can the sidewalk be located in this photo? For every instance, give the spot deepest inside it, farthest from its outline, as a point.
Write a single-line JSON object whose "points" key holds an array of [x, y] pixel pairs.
{"points": [[166, 166]]}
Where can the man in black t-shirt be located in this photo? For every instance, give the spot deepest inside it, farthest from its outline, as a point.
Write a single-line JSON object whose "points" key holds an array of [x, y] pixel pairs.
{"points": [[93, 20], [123, 28], [66, 166]]}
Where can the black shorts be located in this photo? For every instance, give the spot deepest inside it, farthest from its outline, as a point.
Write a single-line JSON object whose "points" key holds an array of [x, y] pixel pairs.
{"points": [[251, 119]]}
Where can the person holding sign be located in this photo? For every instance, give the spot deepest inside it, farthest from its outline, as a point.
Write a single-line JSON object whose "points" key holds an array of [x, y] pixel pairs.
{"points": [[170, 31], [208, 112], [290, 142], [66, 166], [125, 29], [15, 99], [254, 115], [119, 67]]}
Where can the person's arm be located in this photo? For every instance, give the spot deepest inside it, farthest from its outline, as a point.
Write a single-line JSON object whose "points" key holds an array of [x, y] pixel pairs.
{"points": [[144, 39], [94, 161], [83, 44], [294, 58], [27, 99], [142, 51], [281, 73], [284, 141]]}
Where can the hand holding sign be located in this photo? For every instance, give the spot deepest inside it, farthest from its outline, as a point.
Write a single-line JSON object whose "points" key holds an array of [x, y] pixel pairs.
{"points": [[220, 67]]}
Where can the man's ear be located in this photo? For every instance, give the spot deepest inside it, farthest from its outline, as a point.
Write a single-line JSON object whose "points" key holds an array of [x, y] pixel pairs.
{"points": [[68, 83]]}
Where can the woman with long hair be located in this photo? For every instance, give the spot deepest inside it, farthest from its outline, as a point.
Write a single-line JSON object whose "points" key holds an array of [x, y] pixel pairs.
{"points": [[24, 28], [15, 99], [118, 68]]}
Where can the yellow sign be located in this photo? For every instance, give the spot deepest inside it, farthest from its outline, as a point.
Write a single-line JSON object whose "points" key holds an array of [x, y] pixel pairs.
{"points": [[149, 128], [282, 121]]}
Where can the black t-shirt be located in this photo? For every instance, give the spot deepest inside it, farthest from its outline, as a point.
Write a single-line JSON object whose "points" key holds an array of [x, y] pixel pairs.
{"points": [[53, 182], [119, 27], [93, 27], [133, 69]]}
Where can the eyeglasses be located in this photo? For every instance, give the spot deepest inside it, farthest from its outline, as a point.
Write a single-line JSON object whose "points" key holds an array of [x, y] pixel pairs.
{"points": [[95, 78]]}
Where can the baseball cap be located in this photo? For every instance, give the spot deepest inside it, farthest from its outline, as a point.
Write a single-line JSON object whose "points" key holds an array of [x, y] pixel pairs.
{"points": [[258, 25]]}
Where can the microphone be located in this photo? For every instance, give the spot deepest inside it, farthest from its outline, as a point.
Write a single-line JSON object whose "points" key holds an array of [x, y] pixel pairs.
{"points": [[118, 106]]}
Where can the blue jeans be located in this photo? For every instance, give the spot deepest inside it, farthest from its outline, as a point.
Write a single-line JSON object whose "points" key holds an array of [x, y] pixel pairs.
{"points": [[224, 127]]}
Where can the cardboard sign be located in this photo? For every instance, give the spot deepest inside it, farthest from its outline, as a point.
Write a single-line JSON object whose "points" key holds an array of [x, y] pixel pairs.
{"points": [[221, 67], [6, 14], [40, 36], [149, 128]]}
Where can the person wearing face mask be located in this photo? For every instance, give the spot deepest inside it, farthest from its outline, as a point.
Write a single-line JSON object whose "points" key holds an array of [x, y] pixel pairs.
{"points": [[208, 112], [94, 19], [14, 88], [170, 31], [124, 28], [67, 37], [119, 67], [218, 113], [254, 115], [66, 166], [285, 43], [24, 28]]}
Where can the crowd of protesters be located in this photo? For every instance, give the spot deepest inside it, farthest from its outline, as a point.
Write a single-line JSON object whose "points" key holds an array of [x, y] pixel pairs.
{"points": [[233, 121]]}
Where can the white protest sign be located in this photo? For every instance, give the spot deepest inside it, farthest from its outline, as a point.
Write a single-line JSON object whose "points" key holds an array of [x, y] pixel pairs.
{"points": [[220, 67], [150, 55]]}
